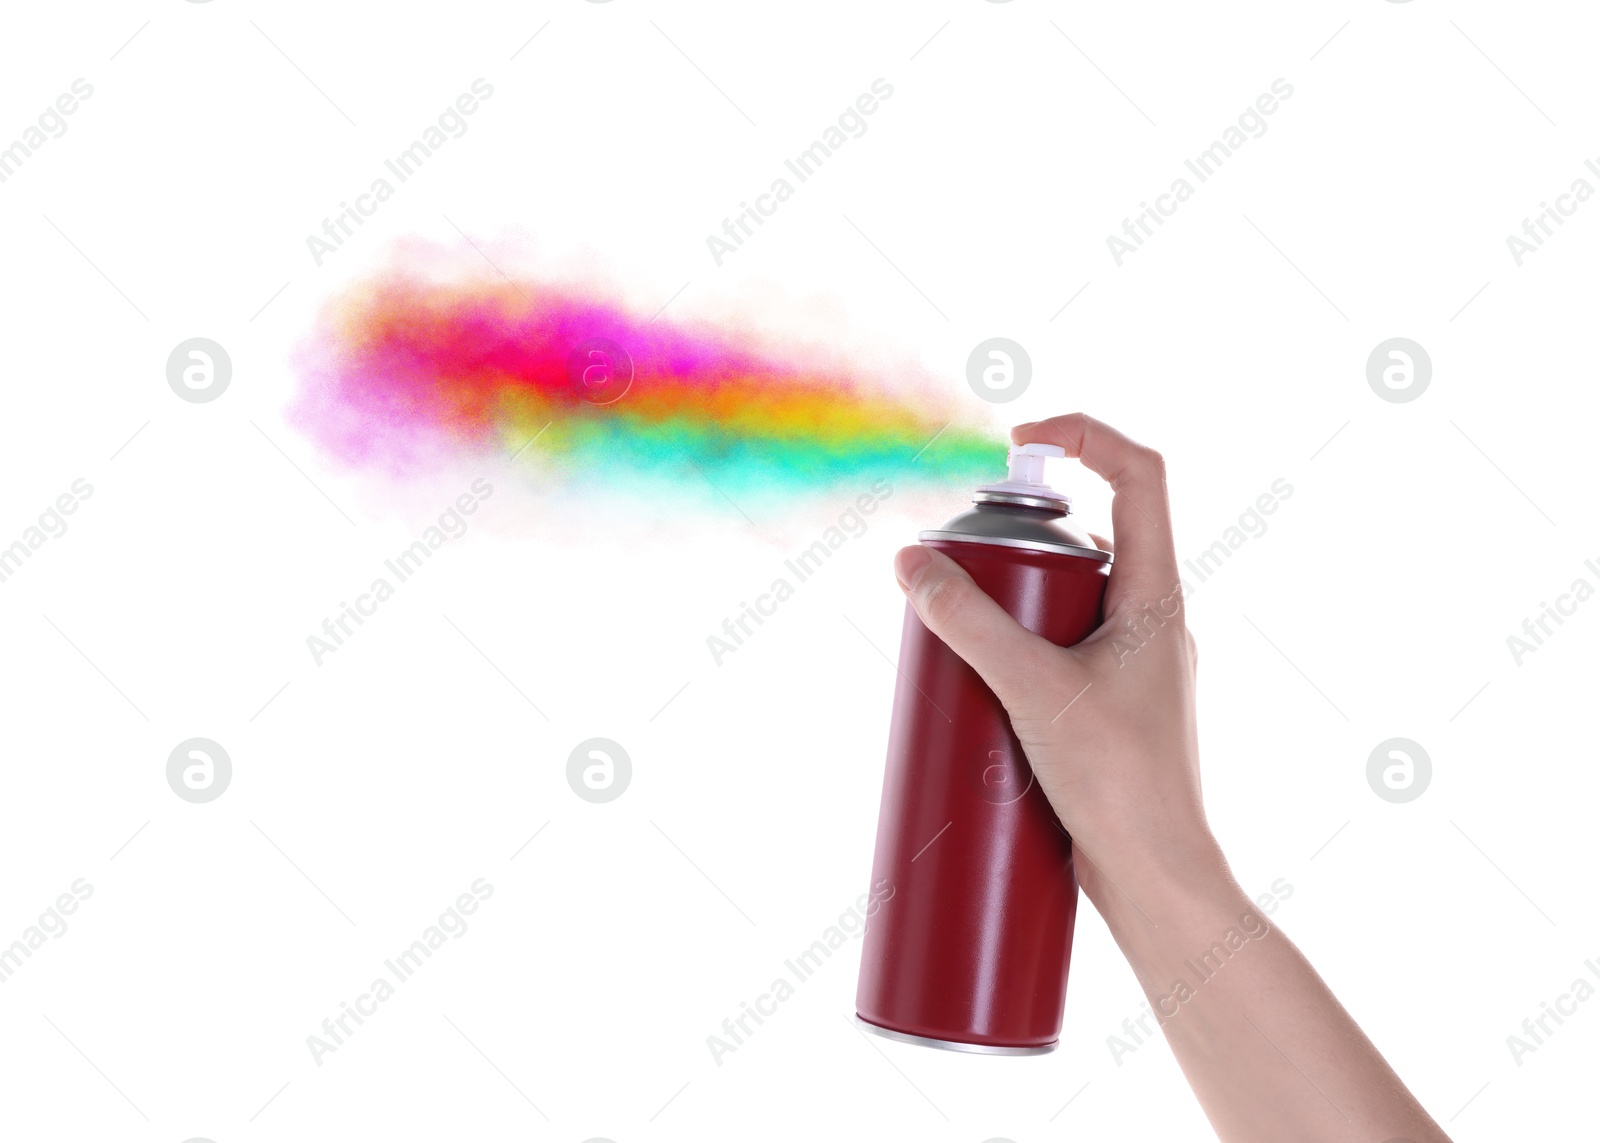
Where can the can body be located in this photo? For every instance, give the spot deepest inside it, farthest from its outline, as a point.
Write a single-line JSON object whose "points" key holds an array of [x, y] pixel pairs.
{"points": [[972, 948]]}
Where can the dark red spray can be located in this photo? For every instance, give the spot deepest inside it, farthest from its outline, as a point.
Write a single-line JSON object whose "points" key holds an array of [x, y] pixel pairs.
{"points": [[971, 949]]}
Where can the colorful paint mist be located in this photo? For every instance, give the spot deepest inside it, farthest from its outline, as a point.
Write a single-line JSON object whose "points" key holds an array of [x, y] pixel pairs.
{"points": [[405, 372]]}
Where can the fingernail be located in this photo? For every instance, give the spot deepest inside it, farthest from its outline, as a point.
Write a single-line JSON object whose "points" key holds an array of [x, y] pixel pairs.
{"points": [[909, 563]]}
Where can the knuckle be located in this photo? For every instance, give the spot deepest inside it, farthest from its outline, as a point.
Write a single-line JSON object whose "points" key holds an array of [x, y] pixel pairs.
{"points": [[944, 600]]}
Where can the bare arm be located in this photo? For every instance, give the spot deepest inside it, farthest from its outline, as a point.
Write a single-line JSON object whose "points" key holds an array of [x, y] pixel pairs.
{"points": [[1109, 727]]}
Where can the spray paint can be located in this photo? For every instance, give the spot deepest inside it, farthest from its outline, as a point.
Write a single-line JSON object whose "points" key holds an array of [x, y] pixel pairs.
{"points": [[971, 952]]}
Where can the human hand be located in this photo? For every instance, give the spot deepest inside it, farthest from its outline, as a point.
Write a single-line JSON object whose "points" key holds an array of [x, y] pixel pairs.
{"points": [[1109, 724], [1109, 728]]}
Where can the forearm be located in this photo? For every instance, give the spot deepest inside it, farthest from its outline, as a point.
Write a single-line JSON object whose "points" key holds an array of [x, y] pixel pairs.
{"points": [[1270, 1052]]}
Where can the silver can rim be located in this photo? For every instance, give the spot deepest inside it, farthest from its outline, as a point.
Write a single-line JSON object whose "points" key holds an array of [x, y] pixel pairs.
{"points": [[955, 1045], [1029, 545]]}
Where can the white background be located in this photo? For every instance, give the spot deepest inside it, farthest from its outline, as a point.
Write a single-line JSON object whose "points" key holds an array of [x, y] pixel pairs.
{"points": [[370, 791]]}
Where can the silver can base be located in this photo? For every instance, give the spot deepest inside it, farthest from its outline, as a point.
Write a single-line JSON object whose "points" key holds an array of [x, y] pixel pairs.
{"points": [[953, 1045]]}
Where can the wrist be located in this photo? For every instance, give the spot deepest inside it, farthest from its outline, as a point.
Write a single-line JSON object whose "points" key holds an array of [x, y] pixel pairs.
{"points": [[1182, 882]]}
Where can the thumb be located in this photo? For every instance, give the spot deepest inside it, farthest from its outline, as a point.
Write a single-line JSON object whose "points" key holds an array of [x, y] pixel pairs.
{"points": [[1016, 664]]}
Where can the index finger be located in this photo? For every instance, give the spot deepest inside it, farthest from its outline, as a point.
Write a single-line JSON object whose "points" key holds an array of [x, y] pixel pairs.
{"points": [[1140, 516]]}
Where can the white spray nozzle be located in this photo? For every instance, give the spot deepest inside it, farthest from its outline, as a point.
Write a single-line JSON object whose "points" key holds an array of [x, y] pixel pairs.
{"points": [[1025, 462], [1025, 477]]}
